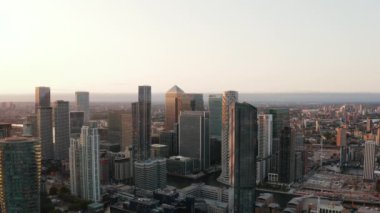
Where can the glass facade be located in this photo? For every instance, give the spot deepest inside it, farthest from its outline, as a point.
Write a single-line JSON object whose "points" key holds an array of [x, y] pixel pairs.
{"points": [[20, 175]]}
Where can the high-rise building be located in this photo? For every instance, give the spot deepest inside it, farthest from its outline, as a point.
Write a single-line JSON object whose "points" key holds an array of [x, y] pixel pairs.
{"points": [[341, 137], [169, 138], [229, 97], [44, 122], [20, 172], [159, 151], [191, 102], [82, 101], [369, 160], [84, 162], [215, 109], [194, 141], [42, 97], [126, 131], [172, 107], [31, 122], [369, 125], [281, 120], [242, 163], [264, 148], [5, 130], [45, 132], [285, 156], [141, 123], [61, 130], [150, 174], [76, 122], [115, 127]]}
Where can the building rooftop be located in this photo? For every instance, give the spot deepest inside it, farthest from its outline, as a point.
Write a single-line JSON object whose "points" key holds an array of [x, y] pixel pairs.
{"points": [[175, 89]]}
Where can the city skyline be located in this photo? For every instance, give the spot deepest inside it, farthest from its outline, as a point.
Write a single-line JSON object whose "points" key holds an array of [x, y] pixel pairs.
{"points": [[294, 46]]}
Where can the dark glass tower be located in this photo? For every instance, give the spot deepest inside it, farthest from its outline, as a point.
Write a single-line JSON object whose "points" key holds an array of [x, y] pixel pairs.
{"points": [[61, 130], [242, 165], [20, 171]]}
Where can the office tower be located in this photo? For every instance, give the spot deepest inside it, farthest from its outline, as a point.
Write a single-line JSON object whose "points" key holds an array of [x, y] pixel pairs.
{"points": [[61, 130], [215, 109], [191, 102], [44, 122], [82, 101], [299, 159], [264, 148], [169, 138], [5, 130], [31, 121], [141, 123], [341, 137], [159, 151], [150, 174], [369, 160], [215, 151], [115, 126], [243, 141], [229, 97], [20, 172], [126, 131], [194, 141], [84, 163], [45, 132], [281, 120], [76, 122], [285, 156], [42, 97], [172, 106]]}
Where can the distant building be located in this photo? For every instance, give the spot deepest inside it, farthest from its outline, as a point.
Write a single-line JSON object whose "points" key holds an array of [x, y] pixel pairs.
{"points": [[378, 137], [115, 126], [215, 109], [126, 131], [76, 122], [369, 160], [169, 138], [264, 152], [229, 98], [172, 107], [243, 142], [45, 132], [150, 174], [42, 97], [194, 139], [82, 101], [341, 137], [191, 102], [141, 123], [281, 120], [84, 164], [286, 154], [20, 172], [61, 130], [179, 165]]}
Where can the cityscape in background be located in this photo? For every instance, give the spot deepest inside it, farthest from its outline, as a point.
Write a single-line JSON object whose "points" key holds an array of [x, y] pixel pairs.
{"points": [[189, 152]]}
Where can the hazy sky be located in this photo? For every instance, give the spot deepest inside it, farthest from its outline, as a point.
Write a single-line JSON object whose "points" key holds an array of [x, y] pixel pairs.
{"points": [[112, 46]]}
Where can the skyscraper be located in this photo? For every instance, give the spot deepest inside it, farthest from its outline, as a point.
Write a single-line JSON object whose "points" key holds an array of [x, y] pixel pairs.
{"points": [[215, 108], [141, 124], [229, 97], [281, 120], [84, 163], [265, 140], [169, 138], [44, 121], [20, 172], [285, 156], [126, 131], [82, 101], [151, 174], [243, 141], [45, 132], [115, 126], [194, 141], [61, 130], [172, 106], [191, 102], [76, 122], [42, 97], [369, 160], [341, 137]]}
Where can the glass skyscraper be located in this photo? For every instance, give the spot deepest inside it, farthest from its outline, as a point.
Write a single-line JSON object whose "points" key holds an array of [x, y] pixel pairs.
{"points": [[82, 100], [61, 130], [172, 107], [215, 109], [20, 172]]}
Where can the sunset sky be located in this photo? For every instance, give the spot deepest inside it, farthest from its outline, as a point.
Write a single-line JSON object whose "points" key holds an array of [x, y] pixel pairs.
{"points": [[112, 46]]}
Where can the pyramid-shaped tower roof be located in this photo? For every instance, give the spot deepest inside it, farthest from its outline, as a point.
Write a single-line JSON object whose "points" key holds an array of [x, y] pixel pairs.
{"points": [[176, 90]]}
